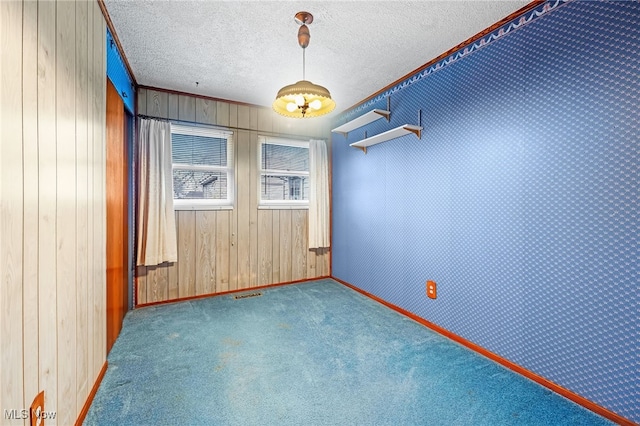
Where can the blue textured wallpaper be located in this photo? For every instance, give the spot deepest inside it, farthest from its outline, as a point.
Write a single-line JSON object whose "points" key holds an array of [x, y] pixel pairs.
{"points": [[520, 200]]}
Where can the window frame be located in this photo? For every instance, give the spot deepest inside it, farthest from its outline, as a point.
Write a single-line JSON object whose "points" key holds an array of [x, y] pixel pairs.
{"points": [[280, 204], [211, 132]]}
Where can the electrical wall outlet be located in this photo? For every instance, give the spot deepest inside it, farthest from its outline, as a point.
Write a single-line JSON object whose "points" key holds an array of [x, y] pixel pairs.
{"points": [[431, 289]]}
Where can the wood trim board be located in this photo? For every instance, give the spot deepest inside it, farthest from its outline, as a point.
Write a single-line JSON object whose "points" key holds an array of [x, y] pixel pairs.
{"points": [[223, 293], [92, 394], [578, 399]]}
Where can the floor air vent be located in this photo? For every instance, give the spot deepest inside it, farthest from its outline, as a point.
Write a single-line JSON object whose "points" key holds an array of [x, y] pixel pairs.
{"points": [[244, 296]]}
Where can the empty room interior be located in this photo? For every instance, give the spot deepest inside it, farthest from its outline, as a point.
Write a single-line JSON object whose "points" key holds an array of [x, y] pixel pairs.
{"points": [[319, 212]]}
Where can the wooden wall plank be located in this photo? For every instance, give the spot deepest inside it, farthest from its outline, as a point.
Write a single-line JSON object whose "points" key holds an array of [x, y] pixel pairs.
{"points": [[157, 283], [253, 118], [100, 60], [244, 207], [172, 273], [157, 104], [265, 256], [11, 203], [186, 108], [233, 231], [206, 111], [298, 127], [303, 217], [163, 282], [299, 249], [141, 278], [152, 284], [222, 114], [90, 198], [206, 252], [233, 115], [187, 250], [47, 311], [162, 277], [327, 262], [312, 271], [275, 246], [286, 245], [142, 101], [30, 197], [253, 208], [244, 116], [173, 106], [172, 280], [282, 125], [317, 258], [223, 249], [82, 231], [265, 120], [65, 210], [277, 123]]}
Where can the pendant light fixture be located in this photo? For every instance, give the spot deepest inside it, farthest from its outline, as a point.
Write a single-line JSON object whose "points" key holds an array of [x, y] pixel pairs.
{"points": [[303, 99]]}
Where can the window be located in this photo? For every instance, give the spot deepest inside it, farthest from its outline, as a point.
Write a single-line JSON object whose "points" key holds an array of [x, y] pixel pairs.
{"points": [[284, 172], [202, 167]]}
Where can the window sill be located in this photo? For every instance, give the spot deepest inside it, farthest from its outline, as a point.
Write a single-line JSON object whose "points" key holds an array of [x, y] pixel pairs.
{"points": [[283, 207], [202, 207]]}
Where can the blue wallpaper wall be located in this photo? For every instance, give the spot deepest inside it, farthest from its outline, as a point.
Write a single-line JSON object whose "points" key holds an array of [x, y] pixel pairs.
{"points": [[520, 200]]}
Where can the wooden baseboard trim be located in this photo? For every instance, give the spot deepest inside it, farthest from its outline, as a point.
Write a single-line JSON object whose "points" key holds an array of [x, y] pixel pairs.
{"points": [[202, 296], [94, 389], [590, 405]]}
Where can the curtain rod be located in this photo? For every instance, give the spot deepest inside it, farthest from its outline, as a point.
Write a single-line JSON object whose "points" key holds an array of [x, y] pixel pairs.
{"points": [[262, 132]]}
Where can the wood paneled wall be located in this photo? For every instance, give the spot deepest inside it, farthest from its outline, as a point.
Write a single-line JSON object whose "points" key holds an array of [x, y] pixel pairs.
{"points": [[224, 250], [52, 183]]}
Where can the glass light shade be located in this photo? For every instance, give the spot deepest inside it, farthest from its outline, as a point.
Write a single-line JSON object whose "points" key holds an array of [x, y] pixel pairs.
{"points": [[310, 93]]}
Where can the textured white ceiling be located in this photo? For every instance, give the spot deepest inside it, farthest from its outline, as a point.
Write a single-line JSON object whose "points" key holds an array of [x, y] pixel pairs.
{"points": [[246, 50]]}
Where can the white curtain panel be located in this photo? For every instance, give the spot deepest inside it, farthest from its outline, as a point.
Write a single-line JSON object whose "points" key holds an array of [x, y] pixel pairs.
{"points": [[156, 219], [318, 194]]}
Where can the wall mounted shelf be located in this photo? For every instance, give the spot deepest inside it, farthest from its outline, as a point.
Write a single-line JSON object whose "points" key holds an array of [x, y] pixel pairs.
{"points": [[364, 119], [387, 136]]}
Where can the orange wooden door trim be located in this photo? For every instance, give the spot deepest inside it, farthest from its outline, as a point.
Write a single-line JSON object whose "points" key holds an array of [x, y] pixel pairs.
{"points": [[117, 226]]}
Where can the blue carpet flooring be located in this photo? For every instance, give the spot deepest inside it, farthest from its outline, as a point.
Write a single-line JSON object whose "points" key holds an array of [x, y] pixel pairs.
{"points": [[316, 353]]}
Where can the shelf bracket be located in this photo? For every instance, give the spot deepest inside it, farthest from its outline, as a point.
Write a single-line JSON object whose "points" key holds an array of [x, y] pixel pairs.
{"points": [[388, 107], [417, 132], [363, 148], [385, 114]]}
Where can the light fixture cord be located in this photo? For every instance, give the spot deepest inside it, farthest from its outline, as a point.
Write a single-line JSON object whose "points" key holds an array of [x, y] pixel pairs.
{"points": [[303, 63]]}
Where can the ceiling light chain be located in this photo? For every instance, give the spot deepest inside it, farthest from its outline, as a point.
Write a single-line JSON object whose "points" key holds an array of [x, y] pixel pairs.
{"points": [[303, 99]]}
